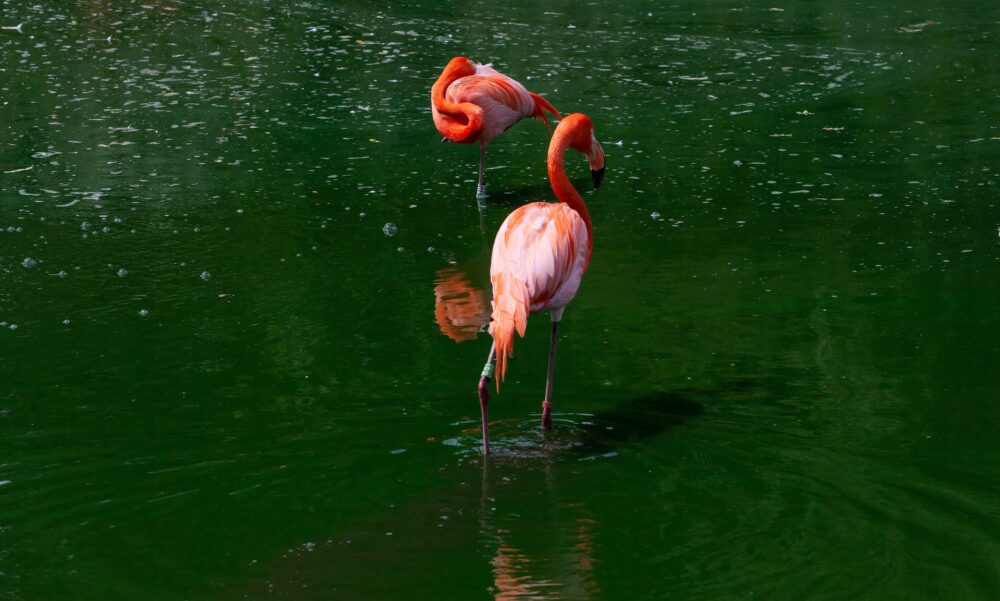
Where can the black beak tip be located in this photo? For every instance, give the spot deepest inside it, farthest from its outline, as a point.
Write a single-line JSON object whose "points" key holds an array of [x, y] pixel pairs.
{"points": [[597, 177]]}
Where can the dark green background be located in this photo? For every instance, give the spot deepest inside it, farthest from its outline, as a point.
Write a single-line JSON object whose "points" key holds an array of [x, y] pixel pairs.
{"points": [[782, 386]]}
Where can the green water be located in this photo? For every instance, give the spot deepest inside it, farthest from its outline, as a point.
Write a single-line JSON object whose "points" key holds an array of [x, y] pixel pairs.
{"points": [[221, 379]]}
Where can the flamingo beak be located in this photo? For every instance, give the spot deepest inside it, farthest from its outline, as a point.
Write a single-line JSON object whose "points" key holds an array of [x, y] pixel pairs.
{"points": [[597, 176], [596, 159]]}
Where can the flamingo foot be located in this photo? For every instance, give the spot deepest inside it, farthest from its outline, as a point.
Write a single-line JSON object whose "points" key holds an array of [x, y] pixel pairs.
{"points": [[484, 401], [547, 415]]}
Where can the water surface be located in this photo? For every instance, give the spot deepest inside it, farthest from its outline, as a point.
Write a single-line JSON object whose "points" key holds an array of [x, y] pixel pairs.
{"points": [[222, 376]]}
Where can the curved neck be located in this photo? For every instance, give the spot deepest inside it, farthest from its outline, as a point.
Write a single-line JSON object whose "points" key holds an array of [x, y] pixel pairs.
{"points": [[562, 187], [460, 121]]}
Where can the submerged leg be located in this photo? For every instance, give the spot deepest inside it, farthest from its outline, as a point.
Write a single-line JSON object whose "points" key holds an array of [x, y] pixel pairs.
{"points": [[481, 187], [547, 403], [484, 398]]}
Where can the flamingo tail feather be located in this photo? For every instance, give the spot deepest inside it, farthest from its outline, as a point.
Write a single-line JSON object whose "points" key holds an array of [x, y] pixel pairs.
{"points": [[510, 314], [542, 105]]}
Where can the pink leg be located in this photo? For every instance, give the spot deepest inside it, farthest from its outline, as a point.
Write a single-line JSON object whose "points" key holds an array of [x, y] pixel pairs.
{"points": [[484, 399], [481, 186]]}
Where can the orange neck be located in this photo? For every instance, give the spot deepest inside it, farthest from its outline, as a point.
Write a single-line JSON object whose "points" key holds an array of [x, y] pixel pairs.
{"points": [[459, 121], [561, 185]]}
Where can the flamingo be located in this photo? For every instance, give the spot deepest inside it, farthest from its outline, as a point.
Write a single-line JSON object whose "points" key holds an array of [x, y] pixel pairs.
{"points": [[475, 103], [539, 257]]}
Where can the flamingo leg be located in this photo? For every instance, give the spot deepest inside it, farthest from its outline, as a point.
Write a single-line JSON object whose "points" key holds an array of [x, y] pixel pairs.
{"points": [[550, 379], [481, 187], [482, 225], [484, 399]]}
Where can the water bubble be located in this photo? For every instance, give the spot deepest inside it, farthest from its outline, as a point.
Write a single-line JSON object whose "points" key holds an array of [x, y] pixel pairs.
{"points": [[389, 229], [655, 216], [29, 262], [62, 274], [122, 272], [85, 226], [206, 275], [143, 312], [12, 326]]}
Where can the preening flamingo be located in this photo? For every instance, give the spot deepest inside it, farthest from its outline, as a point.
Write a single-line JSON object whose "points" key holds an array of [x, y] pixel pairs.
{"points": [[475, 103], [539, 257]]}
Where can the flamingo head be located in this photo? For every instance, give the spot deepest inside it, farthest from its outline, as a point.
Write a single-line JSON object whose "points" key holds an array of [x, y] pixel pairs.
{"points": [[461, 66], [579, 130]]}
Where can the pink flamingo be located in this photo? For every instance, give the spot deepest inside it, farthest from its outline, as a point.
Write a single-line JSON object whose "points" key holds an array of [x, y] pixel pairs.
{"points": [[539, 257], [475, 103]]}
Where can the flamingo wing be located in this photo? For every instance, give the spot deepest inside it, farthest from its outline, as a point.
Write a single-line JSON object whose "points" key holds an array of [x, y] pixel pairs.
{"points": [[504, 101]]}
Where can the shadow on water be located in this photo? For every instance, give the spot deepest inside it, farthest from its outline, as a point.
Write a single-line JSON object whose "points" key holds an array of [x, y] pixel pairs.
{"points": [[577, 436], [641, 418], [543, 191], [473, 524]]}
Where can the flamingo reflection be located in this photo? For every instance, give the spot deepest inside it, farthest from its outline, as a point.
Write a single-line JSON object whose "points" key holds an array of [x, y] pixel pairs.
{"points": [[564, 574], [460, 307]]}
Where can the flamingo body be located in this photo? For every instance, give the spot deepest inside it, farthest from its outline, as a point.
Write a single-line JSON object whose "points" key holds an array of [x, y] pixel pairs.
{"points": [[471, 102], [503, 100], [540, 255]]}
